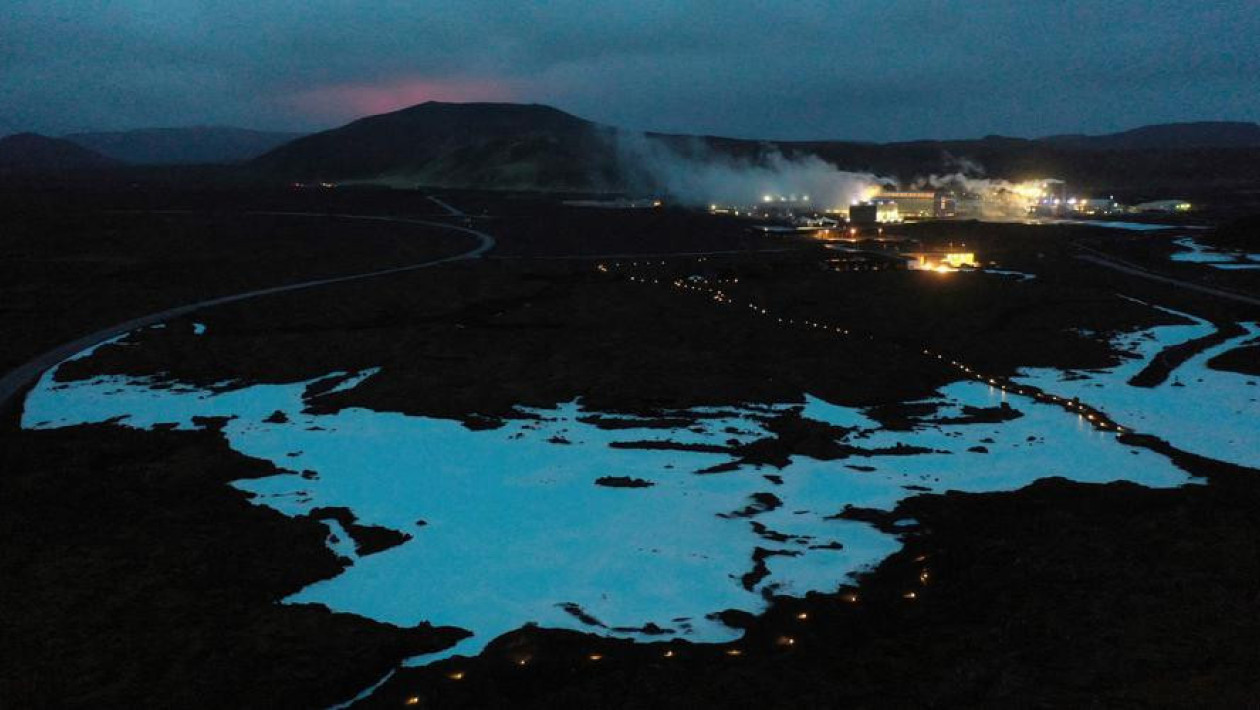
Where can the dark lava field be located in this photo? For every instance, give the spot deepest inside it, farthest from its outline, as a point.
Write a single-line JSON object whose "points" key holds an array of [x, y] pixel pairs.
{"points": [[133, 575]]}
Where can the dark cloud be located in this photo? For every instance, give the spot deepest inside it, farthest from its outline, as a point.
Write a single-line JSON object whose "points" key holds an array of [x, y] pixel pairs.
{"points": [[806, 69]]}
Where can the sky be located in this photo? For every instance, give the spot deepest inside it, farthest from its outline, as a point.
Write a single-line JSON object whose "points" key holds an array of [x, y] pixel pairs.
{"points": [[845, 69]]}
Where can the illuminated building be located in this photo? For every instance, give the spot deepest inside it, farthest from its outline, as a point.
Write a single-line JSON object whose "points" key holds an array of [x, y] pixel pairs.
{"points": [[1163, 206], [1052, 189], [879, 211], [913, 205], [1094, 206], [940, 260], [919, 204]]}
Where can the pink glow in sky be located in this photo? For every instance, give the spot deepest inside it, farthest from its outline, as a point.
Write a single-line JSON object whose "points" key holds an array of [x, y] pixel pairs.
{"points": [[348, 101]]}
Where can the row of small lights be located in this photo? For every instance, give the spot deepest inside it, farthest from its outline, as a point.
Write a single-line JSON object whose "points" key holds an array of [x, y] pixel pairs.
{"points": [[784, 642], [732, 652], [849, 597], [1091, 414]]}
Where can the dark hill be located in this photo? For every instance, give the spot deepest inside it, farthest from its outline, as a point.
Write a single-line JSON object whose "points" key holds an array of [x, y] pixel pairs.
{"points": [[455, 145], [183, 146], [1142, 174], [1169, 136], [31, 152], [514, 146]]}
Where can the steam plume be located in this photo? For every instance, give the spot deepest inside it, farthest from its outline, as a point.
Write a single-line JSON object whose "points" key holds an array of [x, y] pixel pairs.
{"points": [[690, 172], [991, 198]]}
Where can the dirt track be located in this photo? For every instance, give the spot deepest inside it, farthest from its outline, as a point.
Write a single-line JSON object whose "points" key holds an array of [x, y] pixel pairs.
{"points": [[1101, 259]]}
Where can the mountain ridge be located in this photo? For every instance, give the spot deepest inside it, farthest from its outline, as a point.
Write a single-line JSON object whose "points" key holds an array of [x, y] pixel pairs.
{"points": [[1177, 136], [509, 145], [539, 147], [33, 152], [534, 146], [187, 145]]}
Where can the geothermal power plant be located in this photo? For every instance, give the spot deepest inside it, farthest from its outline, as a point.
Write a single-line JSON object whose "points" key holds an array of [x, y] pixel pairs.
{"points": [[954, 198]]}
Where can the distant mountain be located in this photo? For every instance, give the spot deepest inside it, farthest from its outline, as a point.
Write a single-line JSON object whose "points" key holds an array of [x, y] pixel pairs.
{"points": [[1169, 136], [493, 145], [183, 146], [31, 152], [515, 146]]}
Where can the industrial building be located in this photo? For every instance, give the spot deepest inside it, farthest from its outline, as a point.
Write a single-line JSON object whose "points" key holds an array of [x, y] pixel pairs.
{"points": [[1095, 206], [940, 259], [922, 204], [1053, 189], [877, 211], [1162, 206], [986, 199]]}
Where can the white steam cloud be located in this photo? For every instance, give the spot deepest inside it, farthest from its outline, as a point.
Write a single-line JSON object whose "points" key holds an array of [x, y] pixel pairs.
{"points": [[688, 171], [989, 198]]}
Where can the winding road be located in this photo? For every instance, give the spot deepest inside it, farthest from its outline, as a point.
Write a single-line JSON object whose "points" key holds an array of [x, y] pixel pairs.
{"points": [[1099, 258], [19, 379]]}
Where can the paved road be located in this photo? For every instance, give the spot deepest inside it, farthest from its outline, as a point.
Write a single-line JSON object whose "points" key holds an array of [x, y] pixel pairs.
{"points": [[19, 379], [450, 209], [1101, 259]]}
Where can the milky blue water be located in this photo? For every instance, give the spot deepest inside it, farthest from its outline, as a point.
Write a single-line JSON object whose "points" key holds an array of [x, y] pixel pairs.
{"points": [[515, 525]]}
